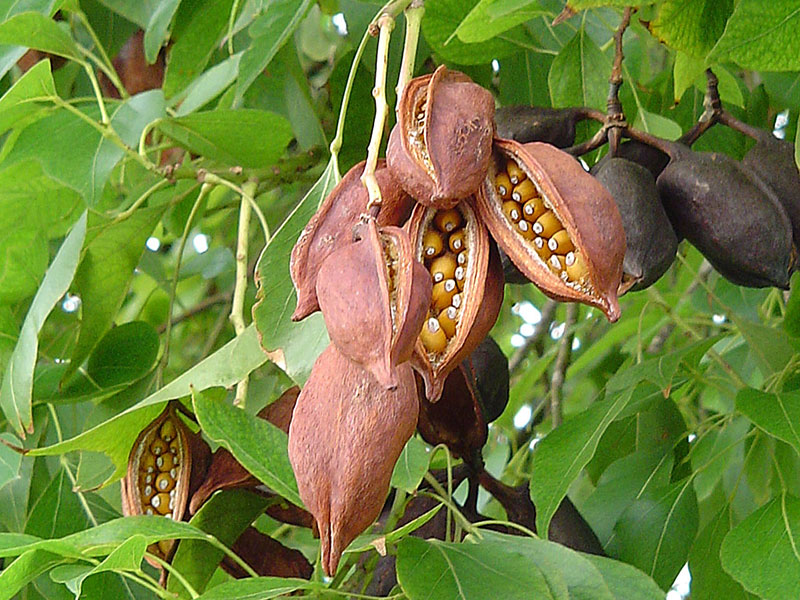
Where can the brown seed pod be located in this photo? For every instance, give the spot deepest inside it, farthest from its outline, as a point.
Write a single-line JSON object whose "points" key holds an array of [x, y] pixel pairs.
{"points": [[525, 124], [652, 159], [440, 148], [267, 557], [331, 228], [166, 465], [462, 309], [374, 297], [565, 198], [131, 65], [346, 434]]}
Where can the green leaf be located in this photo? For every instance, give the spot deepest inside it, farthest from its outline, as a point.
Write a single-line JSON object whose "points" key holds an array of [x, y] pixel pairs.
{"points": [[25, 569], [297, 344], [156, 31], [565, 451], [773, 528], [269, 32], [257, 444], [656, 532], [777, 414], [258, 588], [657, 125], [692, 26], [761, 36], [579, 74], [244, 137], [10, 460], [209, 85], [16, 105], [112, 252], [578, 5], [225, 516], [58, 511], [411, 466], [17, 386], [791, 321], [491, 17], [771, 347], [138, 12], [625, 581], [124, 354], [23, 261], [35, 30]]}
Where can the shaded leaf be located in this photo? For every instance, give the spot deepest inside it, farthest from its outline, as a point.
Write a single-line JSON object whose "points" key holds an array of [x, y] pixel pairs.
{"points": [[771, 347], [693, 26], [412, 465], [124, 354], [156, 31], [57, 512], [777, 414], [258, 588], [15, 104], [579, 74], [491, 17], [35, 30]]}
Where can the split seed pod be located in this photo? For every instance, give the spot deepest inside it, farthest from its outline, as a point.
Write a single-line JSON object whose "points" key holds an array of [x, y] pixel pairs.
{"points": [[525, 124], [374, 297], [331, 228], [558, 224], [346, 434], [467, 288], [440, 148], [167, 463], [733, 218], [651, 243]]}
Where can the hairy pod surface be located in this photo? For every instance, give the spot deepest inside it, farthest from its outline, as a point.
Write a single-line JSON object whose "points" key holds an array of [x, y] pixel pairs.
{"points": [[165, 466], [558, 224], [346, 434], [734, 219], [651, 243], [331, 228], [440, 148], [464, 267], [374, 297], [525, 124]]}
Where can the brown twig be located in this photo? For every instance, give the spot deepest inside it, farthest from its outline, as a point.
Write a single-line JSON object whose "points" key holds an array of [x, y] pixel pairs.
{"points": [[562, 362], [712, 113], [616, 118], [205, 303]]}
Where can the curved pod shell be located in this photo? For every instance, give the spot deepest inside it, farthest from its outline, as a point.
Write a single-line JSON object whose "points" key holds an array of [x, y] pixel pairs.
{"points": [[581, 205], [524, 124]]}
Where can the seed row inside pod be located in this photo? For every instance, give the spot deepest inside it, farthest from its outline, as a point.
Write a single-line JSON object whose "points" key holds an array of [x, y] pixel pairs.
{"points": [[534, 219], [445, 250], [391, 258], [416, 133]]}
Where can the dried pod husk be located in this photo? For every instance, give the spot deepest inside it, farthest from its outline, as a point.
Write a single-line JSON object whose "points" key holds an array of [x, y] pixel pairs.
{"points": [[733, 218], [374, 297], [346, 434], [166, 465], [267, 557], [440, 148], [525, 124], [651, 243], [463, 306], [557, 223], [331, 228]]}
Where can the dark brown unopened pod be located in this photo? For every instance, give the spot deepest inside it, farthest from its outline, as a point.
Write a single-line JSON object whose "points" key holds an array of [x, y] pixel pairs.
{"points": [[525, 124], [652, 159]]}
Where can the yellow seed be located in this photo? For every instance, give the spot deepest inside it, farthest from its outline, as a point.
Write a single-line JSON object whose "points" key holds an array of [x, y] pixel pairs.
{"points": [[462, 259], [576, 267], [456, 301], [158, 446], [443, 267], [164, 483], [165, 462], [147, 464], [433, 336], [525, 229], [447, 321], [161, 503], [168, 431], [460, 276], [503, 185], [512, 211], [560, 242], [165, 547], [432, 244], [458, 240], [147, 493], [533, 209], [547, 225], [447, 220], [443, 293], [174, 445], [515, 174], [524, 191], [556, 263], [541, 248]]}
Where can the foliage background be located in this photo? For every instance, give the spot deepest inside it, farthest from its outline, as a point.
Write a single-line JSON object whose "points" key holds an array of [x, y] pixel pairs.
{"points": [[679, 440]]}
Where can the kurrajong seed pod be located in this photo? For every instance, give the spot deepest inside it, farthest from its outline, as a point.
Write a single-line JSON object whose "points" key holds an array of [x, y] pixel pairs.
{"points": [[525, 124], [166, 465], [651, 244], [331, 228], [440, 148], [374, 297], [733, 218], [569, 239], [652, 159], [346, 434], [267, 557], [463, 306]]}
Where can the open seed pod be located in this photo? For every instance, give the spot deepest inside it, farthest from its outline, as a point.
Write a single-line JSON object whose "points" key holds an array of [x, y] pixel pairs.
{"points": [[467, 291], [651, 243], [525, 124], [556, 222], [440, 148], [374, 296], [167, 463], [733, 218], [331, 228], [346, 434]]}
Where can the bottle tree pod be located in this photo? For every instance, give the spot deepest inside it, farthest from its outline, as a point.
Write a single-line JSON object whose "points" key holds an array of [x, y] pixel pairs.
{"points": [[651, 243], [558, 224], [267, 557], [346, 434], [374, 297], [440, 148], [467, 290], [728, 214], [331, 228], [651, 158], [525, 124], [166, 465], [487, 371]]}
